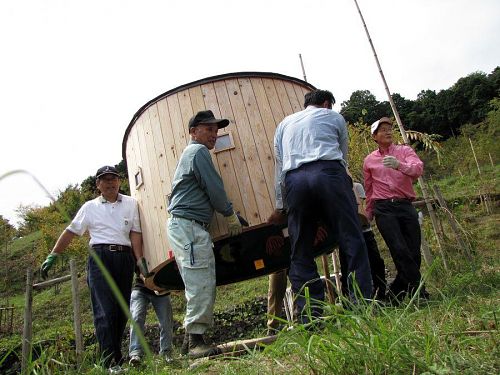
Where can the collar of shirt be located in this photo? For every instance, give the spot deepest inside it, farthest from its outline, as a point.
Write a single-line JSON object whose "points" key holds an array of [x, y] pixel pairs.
{"points": [[103, 200], [388, 151]]}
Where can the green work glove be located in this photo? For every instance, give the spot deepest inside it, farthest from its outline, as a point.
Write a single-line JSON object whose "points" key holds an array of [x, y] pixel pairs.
{"points": [[47, 265], [143, 266], [233, 224]]}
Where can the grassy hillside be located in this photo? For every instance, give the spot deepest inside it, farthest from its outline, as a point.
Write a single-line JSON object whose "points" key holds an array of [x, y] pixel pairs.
{"points": [[455, 332]]}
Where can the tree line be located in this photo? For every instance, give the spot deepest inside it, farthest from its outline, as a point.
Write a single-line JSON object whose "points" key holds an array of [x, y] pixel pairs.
{"points": [[443, 113], [463, 108]]}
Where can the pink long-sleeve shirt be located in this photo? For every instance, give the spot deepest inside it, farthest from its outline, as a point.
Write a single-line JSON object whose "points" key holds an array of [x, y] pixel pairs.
{"points": [[385, 183]]}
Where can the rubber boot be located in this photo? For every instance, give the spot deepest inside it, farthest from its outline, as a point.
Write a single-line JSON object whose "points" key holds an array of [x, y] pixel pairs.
{"points": [[199, 348]]}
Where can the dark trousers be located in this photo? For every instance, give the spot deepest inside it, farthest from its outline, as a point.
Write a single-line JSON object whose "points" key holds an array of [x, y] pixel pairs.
{"points": [[109, 319], [377, 267], [322, 190], [397, 222]]}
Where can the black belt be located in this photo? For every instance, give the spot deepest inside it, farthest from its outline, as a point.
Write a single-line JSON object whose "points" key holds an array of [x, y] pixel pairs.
{"points": [[394, 200], [204, 225], [112, 247]]}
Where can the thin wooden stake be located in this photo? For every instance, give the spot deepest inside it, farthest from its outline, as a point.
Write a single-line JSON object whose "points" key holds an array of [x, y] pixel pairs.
{"points": [[77, 323], [302, 65], [475, 158], [423, 244], [28, 322], [336, 271], [452, 221], [326, 271]]}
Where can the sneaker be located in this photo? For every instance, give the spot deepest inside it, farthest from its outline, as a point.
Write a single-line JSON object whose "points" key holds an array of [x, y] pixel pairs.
{"points": [[199, 348], [135, 360], [116, 370]]}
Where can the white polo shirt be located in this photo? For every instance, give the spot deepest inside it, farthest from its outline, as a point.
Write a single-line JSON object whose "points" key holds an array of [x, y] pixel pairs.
{"points": [[107, 223]]}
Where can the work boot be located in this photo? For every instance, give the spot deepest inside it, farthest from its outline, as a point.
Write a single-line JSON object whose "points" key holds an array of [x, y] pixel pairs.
{"points": [[185, 344], [199, 348]]}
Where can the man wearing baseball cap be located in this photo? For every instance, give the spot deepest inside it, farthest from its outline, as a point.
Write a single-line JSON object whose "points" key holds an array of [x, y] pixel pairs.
{"points": [[112, 220], [389, 173], [198, 191]]}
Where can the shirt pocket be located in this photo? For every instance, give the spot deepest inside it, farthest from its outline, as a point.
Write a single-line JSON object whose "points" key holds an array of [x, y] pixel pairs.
{"points": [[126, 225]]}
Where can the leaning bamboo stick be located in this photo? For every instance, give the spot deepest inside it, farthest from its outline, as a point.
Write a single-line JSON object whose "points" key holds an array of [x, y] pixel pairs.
{"points": [[452, 221]]}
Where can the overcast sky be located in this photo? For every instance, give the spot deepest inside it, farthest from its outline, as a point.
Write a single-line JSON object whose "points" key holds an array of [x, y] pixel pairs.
{"points": [[73, 73]]}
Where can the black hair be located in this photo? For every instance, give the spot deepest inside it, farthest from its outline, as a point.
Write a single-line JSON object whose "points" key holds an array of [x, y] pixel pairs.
{"points": [[318, 97]]}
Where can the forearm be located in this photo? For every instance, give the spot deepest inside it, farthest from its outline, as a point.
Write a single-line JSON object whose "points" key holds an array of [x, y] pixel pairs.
{"points": [[63, 241], [136, 240], [411, 165]]}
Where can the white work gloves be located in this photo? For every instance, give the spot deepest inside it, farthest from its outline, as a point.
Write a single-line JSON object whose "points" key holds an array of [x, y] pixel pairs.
{"points": [[390, 162], [233, 225]]}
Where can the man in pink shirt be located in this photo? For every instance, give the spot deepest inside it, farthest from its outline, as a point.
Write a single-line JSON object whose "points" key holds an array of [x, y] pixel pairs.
{"points": [[389, 174]]}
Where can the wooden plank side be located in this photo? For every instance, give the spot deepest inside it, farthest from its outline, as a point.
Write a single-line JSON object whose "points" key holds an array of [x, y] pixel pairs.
{"points": [[283, 97], [178, 127], [296, 102], [149, 201], [266, 113], [299, 91], [186, 111], [169, 143], [160, 153], [142, 198], [197, 100], [249, 208], [274, 101], [160, 203], [263, 158], [223, 163]]}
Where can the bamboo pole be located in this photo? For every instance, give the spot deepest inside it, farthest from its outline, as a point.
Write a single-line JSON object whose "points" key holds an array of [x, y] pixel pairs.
{"points": [[302, 65], [77, 323], [336, 271], [404, 135], [46, 284], [424, 245], [329, 287], [28, 322], [474, 154]]}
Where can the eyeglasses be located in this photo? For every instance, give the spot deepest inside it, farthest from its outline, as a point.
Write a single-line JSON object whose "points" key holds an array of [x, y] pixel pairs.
{"points": [[385, 129]]}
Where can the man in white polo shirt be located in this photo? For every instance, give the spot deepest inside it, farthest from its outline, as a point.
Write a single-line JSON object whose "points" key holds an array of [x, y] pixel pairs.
{"points": [[112, 220]]}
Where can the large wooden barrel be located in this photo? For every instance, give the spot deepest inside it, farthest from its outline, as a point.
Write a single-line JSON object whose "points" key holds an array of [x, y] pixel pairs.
{"points": [[254, 102]]}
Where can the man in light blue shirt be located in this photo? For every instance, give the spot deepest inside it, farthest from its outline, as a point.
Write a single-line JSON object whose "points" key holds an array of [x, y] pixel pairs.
{"points": [[311, 185]]}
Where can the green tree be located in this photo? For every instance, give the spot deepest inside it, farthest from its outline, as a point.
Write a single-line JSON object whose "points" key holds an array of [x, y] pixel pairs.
{"points": [[7, 231], [360, 100]]}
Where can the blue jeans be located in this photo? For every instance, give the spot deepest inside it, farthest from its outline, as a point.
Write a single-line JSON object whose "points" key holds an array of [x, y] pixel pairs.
{"points": [[139, 302], [322, 191], [109, 318]]}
